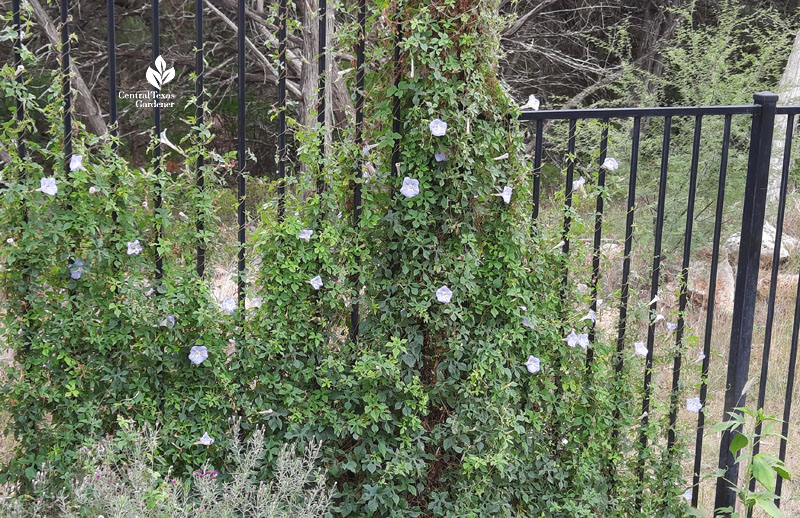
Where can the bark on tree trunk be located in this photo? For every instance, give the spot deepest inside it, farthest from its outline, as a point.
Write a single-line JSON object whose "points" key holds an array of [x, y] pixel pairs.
{"points": [[86, 104], [310, 77], [789, 93]]}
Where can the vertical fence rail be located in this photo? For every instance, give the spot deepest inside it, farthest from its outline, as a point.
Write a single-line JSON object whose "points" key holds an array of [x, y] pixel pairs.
{"points": [[626, 265], [746, 284], [241, 157], [598, 234], [360, 72], [283, 35], [776, 257], [655, 279], [787, 405], [396, 101], [157, 149], [626, 261], [712, 288], [66, 86], [19, 113], [568, 188], [322, 87], [112, 73], [683, 280], [199, 92], [537, 168]]}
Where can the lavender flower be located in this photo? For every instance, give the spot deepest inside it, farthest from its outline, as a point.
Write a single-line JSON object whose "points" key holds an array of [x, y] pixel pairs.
{"points": [[134, 247], [76, 269], [611, 164], [438, 128], [641, 349], [527, 323], [506, 194], [672, 327], [444, 295], [48, 186], [532, 104], [229, 305], [693, 404], [168, 321], [198, 354], [575, 339], [533, 364], [305, 235], [316, 282], [206, 440], [410, 187], [75, 162]]}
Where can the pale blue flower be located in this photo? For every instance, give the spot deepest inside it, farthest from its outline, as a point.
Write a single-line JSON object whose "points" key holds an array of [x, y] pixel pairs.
{"points": [[440, 156], [687, 495], [640, 348], [76, 269], [438, 128], [257, 302], [198, 354], [316, 282], [611, 164], [134, 247], [672, 327], [206, 440], [577, 184], [410, 187], [506, 194], [527, 323], [229, 305], [165, 140], [533, 364], [75, 162], [591, 315], [168, 321], [532, 104], [574, 339], [693, 404], [305, 234], [48, 186], [444, 295]]}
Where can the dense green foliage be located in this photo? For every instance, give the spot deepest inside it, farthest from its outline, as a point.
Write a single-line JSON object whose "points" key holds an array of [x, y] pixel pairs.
{"points": [[431, 412]]}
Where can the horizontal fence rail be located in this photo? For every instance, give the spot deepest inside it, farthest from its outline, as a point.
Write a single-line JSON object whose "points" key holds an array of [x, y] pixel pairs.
{"points": [[762, 115]]}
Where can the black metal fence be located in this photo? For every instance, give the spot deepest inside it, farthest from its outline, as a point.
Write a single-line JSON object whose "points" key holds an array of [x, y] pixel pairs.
{"points": [[763, 113]]}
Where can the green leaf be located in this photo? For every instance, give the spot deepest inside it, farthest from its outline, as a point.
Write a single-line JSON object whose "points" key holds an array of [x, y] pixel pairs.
{"points": [[724, 425], [766, 502], [738, 442], [762, 471]]}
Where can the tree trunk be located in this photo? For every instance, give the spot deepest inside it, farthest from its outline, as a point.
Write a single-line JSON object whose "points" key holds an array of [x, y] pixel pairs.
{"points": [[789, 93]]}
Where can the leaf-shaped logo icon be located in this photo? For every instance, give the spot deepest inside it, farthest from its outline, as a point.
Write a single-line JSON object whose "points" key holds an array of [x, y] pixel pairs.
{"points": [[161, 75]]}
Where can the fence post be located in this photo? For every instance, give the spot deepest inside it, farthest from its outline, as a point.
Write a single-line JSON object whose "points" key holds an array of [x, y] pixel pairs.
{"points": [[745, 292]]}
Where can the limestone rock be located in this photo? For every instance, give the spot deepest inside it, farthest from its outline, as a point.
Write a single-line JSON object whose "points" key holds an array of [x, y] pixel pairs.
{"points": [[767, 246], [699, 278]]}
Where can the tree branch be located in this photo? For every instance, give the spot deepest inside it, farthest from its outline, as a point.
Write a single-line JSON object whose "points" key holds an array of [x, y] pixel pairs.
{"points": [[86, 102]]}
